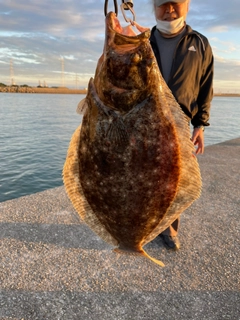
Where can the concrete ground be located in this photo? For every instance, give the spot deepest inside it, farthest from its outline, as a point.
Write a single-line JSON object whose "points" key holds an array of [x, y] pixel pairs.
{"points": [[54, 267]]}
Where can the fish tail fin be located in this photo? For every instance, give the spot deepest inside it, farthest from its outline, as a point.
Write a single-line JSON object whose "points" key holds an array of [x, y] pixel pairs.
{"points": [[160, 263], [139, 253]]}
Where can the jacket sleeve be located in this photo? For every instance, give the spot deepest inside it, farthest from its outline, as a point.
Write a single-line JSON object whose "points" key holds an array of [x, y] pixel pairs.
{"points": [[205, 89]]}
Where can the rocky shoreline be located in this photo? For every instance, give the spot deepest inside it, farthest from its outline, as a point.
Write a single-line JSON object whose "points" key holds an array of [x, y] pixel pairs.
{"points": [[61, 90], [16, 89]]}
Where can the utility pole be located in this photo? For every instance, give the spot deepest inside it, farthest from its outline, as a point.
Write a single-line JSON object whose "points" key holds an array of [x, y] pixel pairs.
{"points": [[12, 82], [63, 79], [76, 81]]}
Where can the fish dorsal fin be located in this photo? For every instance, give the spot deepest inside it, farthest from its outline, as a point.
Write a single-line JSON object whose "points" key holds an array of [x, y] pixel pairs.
{"points": [[82, 106], [189, 185], [75, 192]]}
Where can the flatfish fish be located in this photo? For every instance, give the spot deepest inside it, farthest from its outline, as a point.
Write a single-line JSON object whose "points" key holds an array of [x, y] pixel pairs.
{"points": [[130, 170]]}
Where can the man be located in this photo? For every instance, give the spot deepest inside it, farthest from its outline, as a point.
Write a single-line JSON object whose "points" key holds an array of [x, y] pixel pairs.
{"points": [[185, 60]]}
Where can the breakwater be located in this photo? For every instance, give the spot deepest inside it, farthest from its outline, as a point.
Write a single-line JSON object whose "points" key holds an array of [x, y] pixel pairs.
{"points": [[63, 90], [54, 267]]}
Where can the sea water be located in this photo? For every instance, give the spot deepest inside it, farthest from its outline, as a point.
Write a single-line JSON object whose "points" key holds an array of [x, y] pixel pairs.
{"points": [[35, 131]]}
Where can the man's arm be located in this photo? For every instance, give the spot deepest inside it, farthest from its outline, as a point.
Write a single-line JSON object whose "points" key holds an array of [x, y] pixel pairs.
{"points": [[198, 139], [205, 96]]}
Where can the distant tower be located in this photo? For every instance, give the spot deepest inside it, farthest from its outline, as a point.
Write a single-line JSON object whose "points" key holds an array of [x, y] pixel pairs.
{"points": [[12, 82], [76, 81], [63, 79]]}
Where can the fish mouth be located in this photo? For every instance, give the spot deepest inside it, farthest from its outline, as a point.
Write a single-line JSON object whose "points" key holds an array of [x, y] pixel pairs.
{"points": [[113, 22]]}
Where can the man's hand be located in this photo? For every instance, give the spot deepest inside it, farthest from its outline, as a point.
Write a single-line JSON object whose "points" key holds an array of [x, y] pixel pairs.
{"points": [[198, 140]]}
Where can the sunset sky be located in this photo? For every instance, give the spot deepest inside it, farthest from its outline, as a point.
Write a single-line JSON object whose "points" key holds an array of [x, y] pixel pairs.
{"points": [[40, 39]]}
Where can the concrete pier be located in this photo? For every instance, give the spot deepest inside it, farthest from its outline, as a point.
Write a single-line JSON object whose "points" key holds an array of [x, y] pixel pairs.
{"points": [[52, 266]]}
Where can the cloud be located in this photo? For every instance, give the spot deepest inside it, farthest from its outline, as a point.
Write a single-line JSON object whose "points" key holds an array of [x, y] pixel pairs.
{"points": [[36, 34], [226, 70], [219, 16], [58, 18]]}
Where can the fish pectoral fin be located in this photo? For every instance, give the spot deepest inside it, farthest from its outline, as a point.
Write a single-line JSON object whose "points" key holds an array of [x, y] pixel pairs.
{"points": [[141, 253], [82, 106], [117, 132]]}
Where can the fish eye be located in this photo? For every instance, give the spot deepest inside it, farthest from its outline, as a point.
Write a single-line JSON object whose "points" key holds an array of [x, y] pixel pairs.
{"points": [[136, 57]]}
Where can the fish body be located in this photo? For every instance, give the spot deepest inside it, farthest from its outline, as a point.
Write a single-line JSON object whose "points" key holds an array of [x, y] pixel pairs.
{"points": [[130, 169]]}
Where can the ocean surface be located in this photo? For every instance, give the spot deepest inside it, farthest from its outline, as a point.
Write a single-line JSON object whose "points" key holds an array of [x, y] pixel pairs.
{"points": [[35, 131]]}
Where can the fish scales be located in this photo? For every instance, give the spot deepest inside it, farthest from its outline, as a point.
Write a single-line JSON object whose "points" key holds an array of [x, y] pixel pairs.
{"points": [[130, 169]]}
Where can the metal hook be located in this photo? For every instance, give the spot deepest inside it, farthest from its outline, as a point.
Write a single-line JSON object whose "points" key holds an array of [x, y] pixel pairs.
{"points": [[127, 5], [106, 7]]}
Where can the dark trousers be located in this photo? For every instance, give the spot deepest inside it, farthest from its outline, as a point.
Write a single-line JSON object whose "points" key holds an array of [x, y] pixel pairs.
{"points": [[172, 230]]}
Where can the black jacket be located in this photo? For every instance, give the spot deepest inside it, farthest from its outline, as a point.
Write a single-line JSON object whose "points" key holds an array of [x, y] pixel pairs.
{"points": [[191, 75]]}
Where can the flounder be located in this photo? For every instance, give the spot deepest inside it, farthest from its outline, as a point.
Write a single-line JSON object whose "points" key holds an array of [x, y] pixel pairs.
{"points": [[130, 170]]}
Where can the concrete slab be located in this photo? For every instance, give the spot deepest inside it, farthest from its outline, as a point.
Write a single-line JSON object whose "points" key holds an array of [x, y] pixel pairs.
{"points": [[54, 267]]}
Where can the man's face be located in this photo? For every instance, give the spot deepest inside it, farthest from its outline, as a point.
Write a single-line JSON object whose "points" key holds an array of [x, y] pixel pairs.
{"points": [[171, 10]]}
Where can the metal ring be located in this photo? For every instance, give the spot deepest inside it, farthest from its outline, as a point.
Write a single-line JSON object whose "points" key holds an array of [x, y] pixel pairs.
{"points": [[123, 5], [106, 7], [127, 4]]}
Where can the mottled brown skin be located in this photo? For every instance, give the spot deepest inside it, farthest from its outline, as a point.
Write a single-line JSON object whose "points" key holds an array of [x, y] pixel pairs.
{"points": [[130, 160], [122, 77], [129, 182], [130, 170]]}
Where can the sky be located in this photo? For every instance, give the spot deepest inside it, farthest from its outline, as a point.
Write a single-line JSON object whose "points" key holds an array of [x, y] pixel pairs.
{"points": [[58, 42]]}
